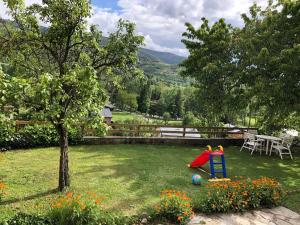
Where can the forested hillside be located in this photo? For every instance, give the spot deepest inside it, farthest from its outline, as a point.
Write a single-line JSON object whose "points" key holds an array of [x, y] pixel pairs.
{"points": [[154, 64], [166, 57]]}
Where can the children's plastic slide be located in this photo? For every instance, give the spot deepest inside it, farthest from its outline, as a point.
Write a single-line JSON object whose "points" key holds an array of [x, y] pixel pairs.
{"points": [[201, 160]]}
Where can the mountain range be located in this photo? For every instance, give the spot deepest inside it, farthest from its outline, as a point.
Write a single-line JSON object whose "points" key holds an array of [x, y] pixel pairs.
{"points": [[161, 66]]}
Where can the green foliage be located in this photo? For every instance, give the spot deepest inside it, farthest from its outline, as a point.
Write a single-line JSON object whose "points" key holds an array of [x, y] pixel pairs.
{"points": [[108, 218], [75, 209], [61, 72], [27, 219], [126, 101], [240, 195], [144, 98], [250, 70], [160, 71], [38, 135], [179, 104], [174, 206], [189, 119], [166, 117], [269, 51], [7, 130], [210, 64]]}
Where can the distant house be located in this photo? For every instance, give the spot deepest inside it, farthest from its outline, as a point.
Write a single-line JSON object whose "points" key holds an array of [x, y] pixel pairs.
{"points": [[106, 113]]}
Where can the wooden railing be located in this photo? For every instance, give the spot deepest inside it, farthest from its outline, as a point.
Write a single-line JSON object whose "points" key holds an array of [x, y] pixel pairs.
{"points": [[175, 130], [22, 123], [150, 130]]}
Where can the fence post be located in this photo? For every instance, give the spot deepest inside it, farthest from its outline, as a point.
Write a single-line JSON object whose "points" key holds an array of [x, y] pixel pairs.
{"points": [[138, 131], [184, 131]]}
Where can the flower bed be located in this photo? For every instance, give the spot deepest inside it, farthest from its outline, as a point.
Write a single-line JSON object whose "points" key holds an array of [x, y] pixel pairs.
{"points": [[2, 187], [174, 206], [240, 195]]}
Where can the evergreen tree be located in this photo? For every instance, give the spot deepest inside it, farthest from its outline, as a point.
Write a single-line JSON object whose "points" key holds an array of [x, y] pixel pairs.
{"points": [[145, 98], [179, 104]]}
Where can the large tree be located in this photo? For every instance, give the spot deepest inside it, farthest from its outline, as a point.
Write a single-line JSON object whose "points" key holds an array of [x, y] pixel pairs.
{"points": [[268, 58], [60, 71], [210, 64]]}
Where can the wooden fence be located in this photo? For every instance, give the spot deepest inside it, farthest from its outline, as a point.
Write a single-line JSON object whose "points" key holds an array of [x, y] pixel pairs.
{"points": [[22, 123], [147, 130], [137, 130]]}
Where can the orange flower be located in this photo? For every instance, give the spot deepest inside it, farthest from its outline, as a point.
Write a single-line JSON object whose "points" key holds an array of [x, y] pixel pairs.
{"points": [[78, 197], [2, 186], [69, 194]]}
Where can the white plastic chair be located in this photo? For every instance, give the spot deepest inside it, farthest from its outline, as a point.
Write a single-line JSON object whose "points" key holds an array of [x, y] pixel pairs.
{"points": [[251, 143], [283, 147]]}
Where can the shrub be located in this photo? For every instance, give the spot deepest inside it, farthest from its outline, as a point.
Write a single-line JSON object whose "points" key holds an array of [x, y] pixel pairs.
{"points": [[174, 206], [166, 117], [6, 132], [26, 219], [75, 209], [108, 218], [189, 119], [240, 195], [2, 187], [38, 135]]}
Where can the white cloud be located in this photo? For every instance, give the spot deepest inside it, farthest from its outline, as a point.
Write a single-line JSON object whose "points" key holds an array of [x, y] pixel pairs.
{"points": [[106, 19], [162, 21], [4, 11]]}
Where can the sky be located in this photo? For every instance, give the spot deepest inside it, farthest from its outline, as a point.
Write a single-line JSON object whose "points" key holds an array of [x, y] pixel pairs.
{"points": [[161, 22]]}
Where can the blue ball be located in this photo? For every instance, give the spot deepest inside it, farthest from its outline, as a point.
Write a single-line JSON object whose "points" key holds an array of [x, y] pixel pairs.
{"points": [[196, 179]]}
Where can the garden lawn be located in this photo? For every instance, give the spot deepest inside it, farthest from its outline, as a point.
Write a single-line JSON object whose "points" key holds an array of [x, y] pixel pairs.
{"points": [[130, 177], [121, 116]]}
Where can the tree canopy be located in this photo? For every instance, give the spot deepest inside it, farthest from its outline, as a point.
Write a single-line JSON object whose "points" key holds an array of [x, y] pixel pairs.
{"points": [[60, 71], [255, 66]]}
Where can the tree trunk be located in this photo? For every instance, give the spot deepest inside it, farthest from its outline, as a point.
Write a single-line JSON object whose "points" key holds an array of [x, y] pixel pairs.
{"points": [[64, 177]]}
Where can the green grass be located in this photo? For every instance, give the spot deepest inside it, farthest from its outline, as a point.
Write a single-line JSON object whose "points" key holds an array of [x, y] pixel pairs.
{"points": [[121, 116], [129, 176]]}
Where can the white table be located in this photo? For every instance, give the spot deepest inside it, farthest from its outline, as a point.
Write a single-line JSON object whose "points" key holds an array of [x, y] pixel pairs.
{"points": [[268, 139]]}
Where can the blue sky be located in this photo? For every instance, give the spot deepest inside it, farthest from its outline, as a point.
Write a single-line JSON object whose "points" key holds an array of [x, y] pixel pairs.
{"points": [[161, 22], [112, 4]]}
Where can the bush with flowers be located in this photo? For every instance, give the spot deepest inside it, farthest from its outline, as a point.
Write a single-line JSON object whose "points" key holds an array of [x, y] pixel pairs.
{"points": [[240, 195], [2, 187], [75, 209], [174, 206]]}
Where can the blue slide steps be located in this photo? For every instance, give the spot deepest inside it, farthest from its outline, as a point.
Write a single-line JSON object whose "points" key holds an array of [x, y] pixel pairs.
{"points": [[212, 167]]}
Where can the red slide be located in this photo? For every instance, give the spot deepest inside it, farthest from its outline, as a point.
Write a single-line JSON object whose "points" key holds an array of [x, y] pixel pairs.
{"points": [[201, 159]]}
